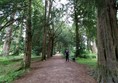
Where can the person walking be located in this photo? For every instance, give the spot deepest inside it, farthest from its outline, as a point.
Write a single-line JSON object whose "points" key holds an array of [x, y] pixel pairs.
{"points": [[67, 54]]}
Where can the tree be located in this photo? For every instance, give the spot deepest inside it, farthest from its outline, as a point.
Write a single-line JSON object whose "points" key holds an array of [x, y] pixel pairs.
{"points": [[7, 42], [85, 21], [45, 30], [37, 26], [28, 39], [47, 37], [76, 19], [107, 38]]}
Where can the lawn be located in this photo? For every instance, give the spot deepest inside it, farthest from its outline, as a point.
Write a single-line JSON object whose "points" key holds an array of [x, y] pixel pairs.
{"points": [[91, 62]]}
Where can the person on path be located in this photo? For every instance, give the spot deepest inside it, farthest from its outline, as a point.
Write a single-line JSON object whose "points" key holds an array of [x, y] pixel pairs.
{"points": [[67, 54]]}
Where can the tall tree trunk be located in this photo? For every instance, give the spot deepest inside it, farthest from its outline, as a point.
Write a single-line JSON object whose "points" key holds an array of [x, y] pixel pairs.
{"points": [[28, 39], [52, 39], [48, 6], [49, 48], [7, 42], [44, 44], [107, 35], [77, 29], [89, 45], [45, 33], [52, 42], [94, 47], [18, 42]]}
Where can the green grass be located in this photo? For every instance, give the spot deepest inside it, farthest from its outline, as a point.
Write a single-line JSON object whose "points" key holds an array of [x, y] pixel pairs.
{"points": [[8, 71], [91, 62], [9, 68]]}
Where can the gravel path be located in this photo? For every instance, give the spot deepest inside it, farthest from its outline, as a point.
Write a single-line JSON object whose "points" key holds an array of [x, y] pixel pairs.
{"points": [[56, 70]]}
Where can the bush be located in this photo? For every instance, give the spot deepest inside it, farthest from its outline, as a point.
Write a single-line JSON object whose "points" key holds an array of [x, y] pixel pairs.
{"points": [[87, 54]]}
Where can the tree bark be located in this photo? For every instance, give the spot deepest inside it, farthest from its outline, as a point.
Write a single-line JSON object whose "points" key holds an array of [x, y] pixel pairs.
{"points": [[45, 33], [107, 35], [48, 7], [76, 29], [18, 42], [94, 47], [7, 42], [52, 42], [52, 39], [89, 47], [49, 48], [28, 39]]}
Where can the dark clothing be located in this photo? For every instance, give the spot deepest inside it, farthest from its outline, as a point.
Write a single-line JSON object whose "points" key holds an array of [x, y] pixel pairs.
{"points": [[67, 55], [67, 58]]}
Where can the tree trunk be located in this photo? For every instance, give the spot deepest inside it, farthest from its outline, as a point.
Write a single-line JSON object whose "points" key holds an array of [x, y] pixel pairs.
{"points": [[45, 33], [77, 29], [44, 47], [52, 39], [89, 47], [7, 42], [49, 48], [48, 7], [94, 47], [18, 42], [52, 42], [107, 35], [28, 39]]}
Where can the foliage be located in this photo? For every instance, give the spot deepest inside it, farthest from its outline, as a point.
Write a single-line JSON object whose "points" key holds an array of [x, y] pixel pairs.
{"points": [[87, 54], [37, 26]]}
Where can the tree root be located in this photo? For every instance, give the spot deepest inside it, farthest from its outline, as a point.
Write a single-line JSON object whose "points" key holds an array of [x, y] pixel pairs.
{"points": [[103, 75]]}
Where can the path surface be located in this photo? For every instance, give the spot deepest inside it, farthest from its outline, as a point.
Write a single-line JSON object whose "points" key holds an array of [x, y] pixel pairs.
{"points": [[56, 70]]}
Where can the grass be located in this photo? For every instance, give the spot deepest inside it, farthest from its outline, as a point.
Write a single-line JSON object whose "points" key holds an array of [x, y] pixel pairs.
{"points": [[91, 62], [8, 71], [9, 68]]}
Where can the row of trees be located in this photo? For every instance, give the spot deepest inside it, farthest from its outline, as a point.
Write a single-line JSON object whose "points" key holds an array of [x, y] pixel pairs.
{"points": [[16, 15], [29, 27], [39, 27]]}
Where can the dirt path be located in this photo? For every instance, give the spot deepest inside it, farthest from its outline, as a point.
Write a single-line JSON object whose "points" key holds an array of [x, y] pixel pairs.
{"points": [[56, 70]]}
